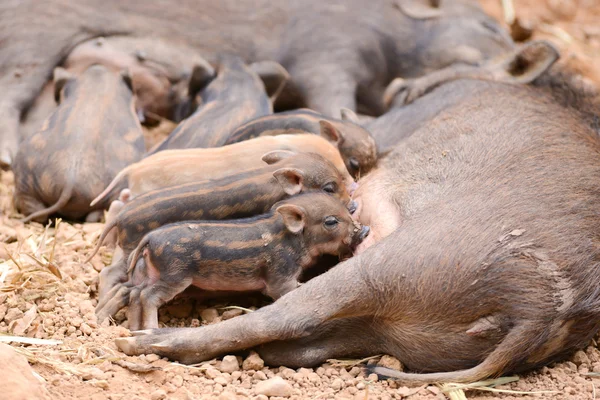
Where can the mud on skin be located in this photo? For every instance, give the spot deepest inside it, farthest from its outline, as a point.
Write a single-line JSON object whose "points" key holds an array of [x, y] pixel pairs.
{"points": [[92, 134], [357, 147], [330, 67], [266, 253], [507, 280], [241, 195]]}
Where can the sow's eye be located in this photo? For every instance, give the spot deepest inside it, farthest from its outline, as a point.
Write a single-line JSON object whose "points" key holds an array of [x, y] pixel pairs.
{"points": [[331, 187], [331, 222]]}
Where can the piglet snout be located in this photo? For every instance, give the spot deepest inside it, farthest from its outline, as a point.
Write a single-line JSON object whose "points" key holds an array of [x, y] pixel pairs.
{"points": [[352, 206], [360, 236]]}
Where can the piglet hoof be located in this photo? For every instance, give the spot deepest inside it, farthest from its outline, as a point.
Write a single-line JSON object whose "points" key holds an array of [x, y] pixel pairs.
{"points": [[142, 332]]}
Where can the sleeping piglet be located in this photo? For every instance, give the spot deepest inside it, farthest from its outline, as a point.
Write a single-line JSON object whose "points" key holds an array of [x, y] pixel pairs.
{"points": [[265, 253], [92, 135]]}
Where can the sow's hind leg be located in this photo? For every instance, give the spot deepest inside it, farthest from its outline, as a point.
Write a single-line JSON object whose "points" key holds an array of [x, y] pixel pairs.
{"points": [[298, 314], [347, 337]]}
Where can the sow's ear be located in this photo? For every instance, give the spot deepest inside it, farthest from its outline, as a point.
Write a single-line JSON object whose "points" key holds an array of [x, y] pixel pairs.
{"points": [[290, 179], [293, 217], [275, 156], [61, 77], [202, 74], [273, 75], [420, 9], [529, 62]]}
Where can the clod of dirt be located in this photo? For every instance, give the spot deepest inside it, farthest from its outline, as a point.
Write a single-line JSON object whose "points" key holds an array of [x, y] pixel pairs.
{"points": [[18, 381], [229, 364], [253, 362]]}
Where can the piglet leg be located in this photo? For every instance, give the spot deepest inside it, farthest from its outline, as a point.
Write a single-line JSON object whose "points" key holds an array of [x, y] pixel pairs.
{"points": [[295, 315]]}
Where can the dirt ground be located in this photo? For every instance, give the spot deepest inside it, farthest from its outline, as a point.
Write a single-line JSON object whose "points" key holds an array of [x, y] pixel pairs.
{"points": [[48, 292]]}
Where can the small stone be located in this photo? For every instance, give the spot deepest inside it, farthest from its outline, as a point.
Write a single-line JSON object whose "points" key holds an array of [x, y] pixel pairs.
{"points": [[260, 375], [177, 380], [260, 397], [18, 381], [221, 381], [86, 329], [253, 362], [337, 384], [13, 314], [159, 394], [390, 362], [580, 358], [234, 312], [276, 386], [152, 357], [227, 396], [209, 315], [360, 385], [211, 372], [373, 378], [102, 384], [229, 364], [354, 371]]}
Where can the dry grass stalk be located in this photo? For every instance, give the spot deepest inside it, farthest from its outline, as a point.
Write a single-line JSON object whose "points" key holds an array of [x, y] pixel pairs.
{"points": [[489, 386], [349, 363]]}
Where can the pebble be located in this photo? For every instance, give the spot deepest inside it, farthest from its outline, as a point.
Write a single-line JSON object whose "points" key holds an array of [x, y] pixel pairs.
{"points": [[580, 358], [260, 375], [221, 381], [177, 380], [158, 395], [234, 312], [13, 314], [227, 396], [253, 362], [182, 310], [211, 372], [209, 315], [229, 364], [86, 329], [390, 362], [337, 384], [152, 357], [276, 386]]}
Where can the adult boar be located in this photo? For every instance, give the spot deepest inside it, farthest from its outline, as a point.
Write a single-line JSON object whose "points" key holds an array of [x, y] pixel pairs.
{"points": [[335, 51], [491, 259]]}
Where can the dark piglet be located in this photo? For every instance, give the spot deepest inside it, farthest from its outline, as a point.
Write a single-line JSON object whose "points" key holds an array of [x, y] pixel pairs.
{"points": [[241, 195], [237, 94], [355, 143], [91, 136], [266, 253]]}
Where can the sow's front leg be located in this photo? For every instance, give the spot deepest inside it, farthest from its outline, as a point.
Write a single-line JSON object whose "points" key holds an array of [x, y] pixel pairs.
{"points": [[298, 314]]}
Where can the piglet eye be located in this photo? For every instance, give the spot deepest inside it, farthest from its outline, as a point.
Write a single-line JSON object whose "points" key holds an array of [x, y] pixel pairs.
{"points": [[354, 164], [331, 222], [331, 187]]}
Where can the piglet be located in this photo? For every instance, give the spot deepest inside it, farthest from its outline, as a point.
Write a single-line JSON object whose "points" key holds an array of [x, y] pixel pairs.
{"points": [[266, 253], [177, 167], [356, 145], [92, 135], [238, 94], [246, 194]]}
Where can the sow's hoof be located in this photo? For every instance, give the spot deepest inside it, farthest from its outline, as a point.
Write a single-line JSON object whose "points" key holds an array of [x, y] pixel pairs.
{"points": [[167, 342]]}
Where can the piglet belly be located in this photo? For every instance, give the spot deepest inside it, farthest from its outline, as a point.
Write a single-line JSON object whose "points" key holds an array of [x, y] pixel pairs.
{"points": [[218, 283]]}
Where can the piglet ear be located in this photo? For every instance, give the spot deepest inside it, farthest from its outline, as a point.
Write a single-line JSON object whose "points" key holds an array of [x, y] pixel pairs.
{"points": [[293, 217], [202, 74], [275, 156], [329, 132], [529, 62], [273, 75], [349, 115], [290, 179], [61, 77], [126, 75]]}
